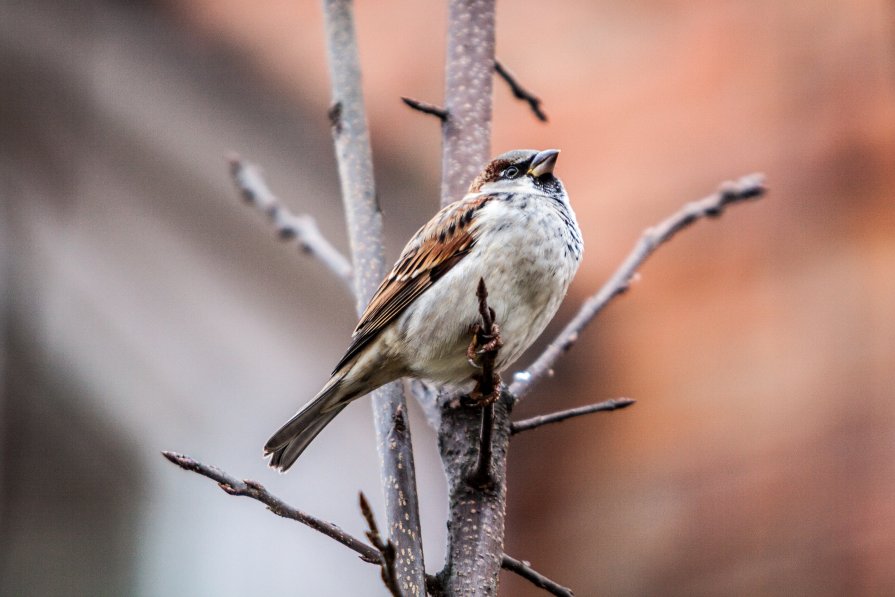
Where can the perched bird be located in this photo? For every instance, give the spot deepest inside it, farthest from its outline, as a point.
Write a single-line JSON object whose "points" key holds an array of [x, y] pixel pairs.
{"points": [[516, 230]]}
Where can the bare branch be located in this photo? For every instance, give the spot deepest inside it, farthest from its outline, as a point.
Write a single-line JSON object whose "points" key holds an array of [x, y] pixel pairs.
{"points": [[483, 349], [482, 352], [252, 489], [535, 422], [426, 108], [256, 491], [477, 511], [746, 188], [519, 92], [386, 548], [481, 475], [354, 157], [302, 229], [525, 570]]}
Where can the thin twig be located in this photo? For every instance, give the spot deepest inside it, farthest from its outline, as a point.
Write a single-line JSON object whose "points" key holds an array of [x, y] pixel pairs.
{"points": [[746, 188], [525, 570], [354, 156], [483, 349], [482, 352], [386, 548], [426, 108], [481, 475], [520, 92], [302, 229], [256, 491], [535, 422]]}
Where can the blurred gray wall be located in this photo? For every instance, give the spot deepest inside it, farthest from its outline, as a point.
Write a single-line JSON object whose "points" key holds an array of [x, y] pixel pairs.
{"points": [[145, 308]]}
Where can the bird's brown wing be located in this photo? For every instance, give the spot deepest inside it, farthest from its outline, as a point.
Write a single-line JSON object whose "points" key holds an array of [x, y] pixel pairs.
{"points": [[432, 252]]}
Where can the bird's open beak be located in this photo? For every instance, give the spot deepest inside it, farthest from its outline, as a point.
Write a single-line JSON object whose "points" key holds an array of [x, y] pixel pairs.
{"points": [[543, 163]]}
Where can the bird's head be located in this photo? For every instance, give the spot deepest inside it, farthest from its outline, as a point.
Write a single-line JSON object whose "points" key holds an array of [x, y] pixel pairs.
{"points": [[521, 170]]}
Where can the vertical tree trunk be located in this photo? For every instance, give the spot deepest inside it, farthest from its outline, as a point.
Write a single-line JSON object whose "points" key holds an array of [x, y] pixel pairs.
{"points": [[469, 77], [477, 513]]}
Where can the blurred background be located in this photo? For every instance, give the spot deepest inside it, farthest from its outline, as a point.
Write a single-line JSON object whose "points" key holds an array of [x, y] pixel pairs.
{"points": [[145, 308]]}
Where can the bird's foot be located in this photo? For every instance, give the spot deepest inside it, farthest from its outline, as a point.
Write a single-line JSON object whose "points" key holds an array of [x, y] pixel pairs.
{"points": [[484, 393]]}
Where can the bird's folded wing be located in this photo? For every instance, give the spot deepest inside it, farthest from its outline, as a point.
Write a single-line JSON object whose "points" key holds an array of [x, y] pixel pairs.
{"points": [[432, 252]]}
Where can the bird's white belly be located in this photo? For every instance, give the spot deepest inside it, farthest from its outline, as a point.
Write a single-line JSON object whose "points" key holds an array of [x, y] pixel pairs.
{"points": [[527, 271]]}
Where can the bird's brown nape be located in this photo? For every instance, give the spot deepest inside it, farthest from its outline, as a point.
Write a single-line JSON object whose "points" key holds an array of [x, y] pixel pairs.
{"points": [[490, 174]]}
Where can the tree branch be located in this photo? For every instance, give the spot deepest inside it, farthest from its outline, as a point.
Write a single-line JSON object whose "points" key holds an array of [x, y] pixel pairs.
{"points": [[426, 108], [300, 228], [519, 92], [746, 188], [481, 475], [483, 349], [535, 422], [252, 489], [477, 513], [354, 156], [525, 570], [467, 95], [482, 353], [386, 548]]}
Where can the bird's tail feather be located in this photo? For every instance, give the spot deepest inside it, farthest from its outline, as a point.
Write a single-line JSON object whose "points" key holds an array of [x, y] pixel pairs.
{"points": [[287, 444]]}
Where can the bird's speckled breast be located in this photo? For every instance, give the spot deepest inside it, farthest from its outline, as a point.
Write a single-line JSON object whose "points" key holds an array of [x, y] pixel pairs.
{"points": [[528, 253]]}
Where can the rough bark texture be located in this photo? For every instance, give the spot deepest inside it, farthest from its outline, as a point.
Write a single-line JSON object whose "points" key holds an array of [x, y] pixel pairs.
{"points": [[477, 513], [469, 74], [352, 142]]}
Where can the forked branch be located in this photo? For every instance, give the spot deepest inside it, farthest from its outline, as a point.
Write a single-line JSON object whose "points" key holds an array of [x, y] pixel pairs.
{"points": [[386, 548], [744, 189], [252, 489], [302, 229]]}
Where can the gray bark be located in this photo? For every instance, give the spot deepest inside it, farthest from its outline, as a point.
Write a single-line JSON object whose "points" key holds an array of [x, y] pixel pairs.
{"points": [[364, 219], [477, 512], [469, 77]]}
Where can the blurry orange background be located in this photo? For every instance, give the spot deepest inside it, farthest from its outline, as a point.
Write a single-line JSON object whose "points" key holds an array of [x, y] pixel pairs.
{"points": [[144, 308]]}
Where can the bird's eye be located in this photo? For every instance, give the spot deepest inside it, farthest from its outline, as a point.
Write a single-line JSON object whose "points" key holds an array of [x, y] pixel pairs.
{"points": [[511, 172]]}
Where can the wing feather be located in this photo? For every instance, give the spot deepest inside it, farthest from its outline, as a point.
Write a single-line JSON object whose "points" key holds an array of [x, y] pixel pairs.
{"points": [[436, 247]]}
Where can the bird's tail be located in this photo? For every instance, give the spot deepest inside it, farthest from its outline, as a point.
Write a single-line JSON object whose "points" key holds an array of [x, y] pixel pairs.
{"points": [[287, 444]]}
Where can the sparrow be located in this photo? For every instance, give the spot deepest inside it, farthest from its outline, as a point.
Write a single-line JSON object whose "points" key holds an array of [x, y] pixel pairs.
{"points": [[514, 229]]}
